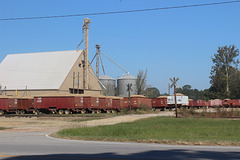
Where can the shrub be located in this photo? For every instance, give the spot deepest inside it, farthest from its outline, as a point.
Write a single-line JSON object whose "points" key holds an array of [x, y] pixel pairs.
{"points": [[143, 107]]}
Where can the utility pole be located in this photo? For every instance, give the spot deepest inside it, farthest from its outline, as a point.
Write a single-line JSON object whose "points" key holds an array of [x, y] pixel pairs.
{"points": [[73, 82], [78, 84], [174, 84], [86, 64], [97, 59]]}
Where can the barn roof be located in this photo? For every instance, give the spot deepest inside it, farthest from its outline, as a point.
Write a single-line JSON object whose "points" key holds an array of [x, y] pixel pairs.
{"points": [[43, 70]]}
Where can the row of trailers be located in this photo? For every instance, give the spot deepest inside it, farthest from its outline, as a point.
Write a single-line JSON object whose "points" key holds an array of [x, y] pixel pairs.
{"points": [[164, 102], [66, 104]]}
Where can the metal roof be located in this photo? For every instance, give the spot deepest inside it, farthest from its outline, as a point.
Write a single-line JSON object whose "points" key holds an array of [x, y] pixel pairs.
{"points": [[127, 76], [105, 77], [43, 70]]}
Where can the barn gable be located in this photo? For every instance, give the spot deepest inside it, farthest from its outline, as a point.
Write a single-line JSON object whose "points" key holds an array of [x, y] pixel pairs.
{"points": [[42, 71]]}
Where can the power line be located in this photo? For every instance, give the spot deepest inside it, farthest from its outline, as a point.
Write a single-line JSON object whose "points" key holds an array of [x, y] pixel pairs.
{"points": [[120, 12]]}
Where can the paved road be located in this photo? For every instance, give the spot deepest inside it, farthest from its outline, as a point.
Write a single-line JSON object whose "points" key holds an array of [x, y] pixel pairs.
{"points": [[36, 145]]}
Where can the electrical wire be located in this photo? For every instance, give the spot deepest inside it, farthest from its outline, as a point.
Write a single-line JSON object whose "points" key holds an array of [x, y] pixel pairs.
{"points": [[120, 12]]}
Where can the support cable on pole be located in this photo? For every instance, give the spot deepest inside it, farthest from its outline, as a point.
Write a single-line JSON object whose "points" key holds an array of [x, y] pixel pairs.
{"points": [[98, 80], [81, 40], [102, 64], [114, 62]]}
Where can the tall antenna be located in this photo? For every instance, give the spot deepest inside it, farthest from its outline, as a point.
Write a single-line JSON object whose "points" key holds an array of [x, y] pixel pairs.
{"points": [[97, 59], [86, 64]]}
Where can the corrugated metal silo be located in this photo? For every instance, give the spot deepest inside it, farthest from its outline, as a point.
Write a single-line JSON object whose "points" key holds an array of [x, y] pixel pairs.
{"points": [[122, 85], [109, 83]]}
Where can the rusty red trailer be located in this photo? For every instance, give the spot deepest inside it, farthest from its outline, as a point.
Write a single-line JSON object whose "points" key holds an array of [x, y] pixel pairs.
{"points": [[117, 103], [19, 105], [4, 105], [215, 103], [226, 102], [200, 103], [137, 101], [191, 103], [90, 103], [108, 105], [159, 102], [95, 103], [235, 103], [58, 103]]}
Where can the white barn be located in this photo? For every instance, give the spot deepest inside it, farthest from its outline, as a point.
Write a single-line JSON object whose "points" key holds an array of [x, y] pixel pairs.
{"points": [[30, 74]]}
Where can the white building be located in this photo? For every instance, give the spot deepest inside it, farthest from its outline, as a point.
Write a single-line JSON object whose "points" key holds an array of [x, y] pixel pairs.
{"points": [[31, 74]]}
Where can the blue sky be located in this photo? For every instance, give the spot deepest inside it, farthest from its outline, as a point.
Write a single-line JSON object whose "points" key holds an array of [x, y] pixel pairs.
{"points": [[168, 43]]}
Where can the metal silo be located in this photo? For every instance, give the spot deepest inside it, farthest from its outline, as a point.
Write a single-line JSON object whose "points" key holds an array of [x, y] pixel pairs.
{"points": [[122, 85], [109, 84]]}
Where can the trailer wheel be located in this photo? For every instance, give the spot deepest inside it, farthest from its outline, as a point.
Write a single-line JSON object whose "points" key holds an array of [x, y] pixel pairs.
{"points": [[22, 112], [1, 112], [54, 112], [67, 112], [18, 112], [60, 112], [98, 111], [36, 112], [83, 111]]}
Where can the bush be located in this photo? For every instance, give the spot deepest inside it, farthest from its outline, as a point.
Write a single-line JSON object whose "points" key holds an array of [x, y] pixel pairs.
{"points": [[124, 110], [143, 107], [192, 111]]}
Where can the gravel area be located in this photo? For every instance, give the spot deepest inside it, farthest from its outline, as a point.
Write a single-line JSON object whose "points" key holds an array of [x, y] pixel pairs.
{"points": [[120, 119], [43, 124]]}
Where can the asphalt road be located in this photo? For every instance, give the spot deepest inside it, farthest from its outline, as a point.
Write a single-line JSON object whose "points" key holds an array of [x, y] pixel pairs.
{"points": [[36, 146]]}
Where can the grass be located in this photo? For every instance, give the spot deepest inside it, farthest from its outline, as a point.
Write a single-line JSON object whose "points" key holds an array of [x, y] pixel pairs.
{"points": [[216, 113], [163, 130], [3, 128]]}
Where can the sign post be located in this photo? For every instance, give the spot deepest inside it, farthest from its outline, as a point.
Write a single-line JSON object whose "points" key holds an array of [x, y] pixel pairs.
{"points": [[174, 84], [129, 89]]}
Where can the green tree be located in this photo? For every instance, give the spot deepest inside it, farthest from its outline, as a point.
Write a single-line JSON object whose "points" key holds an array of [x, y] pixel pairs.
{"points": [[141, 82], [194, 94], [152, 92], [235, 85], [225, 64], [186, 87]]}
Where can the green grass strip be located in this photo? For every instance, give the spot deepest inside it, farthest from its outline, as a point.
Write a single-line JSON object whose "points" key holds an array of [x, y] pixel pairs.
{"points": [[163, 130], [3, 128]]}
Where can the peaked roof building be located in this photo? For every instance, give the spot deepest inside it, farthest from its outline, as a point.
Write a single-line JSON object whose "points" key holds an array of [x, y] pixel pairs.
{"points": [[45, 72]]}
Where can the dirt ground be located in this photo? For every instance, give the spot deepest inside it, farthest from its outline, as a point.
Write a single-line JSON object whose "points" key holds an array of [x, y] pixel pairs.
{"points": [[42, 124]]}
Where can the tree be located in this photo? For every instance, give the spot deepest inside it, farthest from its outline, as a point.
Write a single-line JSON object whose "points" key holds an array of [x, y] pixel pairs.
{"points": [[225, 64], [235, 85], [152, 92], [141, 82], [186, 87], [194, 94]]}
